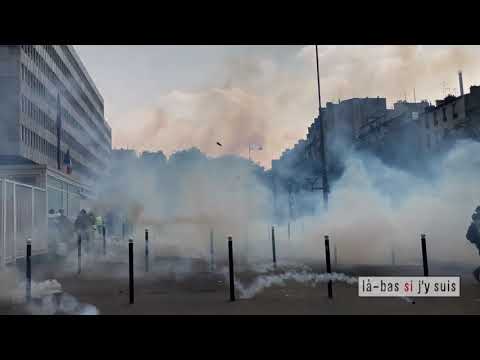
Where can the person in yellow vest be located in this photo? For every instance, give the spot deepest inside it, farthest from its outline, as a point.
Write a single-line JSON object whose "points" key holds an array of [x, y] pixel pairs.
{"points": [[99, 223]]}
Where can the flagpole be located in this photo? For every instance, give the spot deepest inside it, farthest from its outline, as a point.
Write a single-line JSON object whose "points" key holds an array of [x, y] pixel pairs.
{"points": [[59, 130], [322, 140]]}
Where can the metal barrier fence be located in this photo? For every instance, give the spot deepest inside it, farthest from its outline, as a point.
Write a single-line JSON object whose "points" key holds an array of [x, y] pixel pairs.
{"points": [[23, 215]]}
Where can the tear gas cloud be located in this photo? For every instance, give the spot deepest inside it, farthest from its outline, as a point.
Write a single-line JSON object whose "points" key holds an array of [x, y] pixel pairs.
{"points": [[270, 99], [374, 209], [47, 297], [269, 96]]}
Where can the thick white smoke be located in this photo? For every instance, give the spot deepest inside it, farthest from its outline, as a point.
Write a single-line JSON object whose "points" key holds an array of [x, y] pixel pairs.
{"points": [[269, 94], [374, 210], [47, 297], [265, 281]]}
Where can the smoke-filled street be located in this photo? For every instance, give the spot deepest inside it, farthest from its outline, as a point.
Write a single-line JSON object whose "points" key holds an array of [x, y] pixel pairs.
{"points": [[187, 287], [250, 180]]}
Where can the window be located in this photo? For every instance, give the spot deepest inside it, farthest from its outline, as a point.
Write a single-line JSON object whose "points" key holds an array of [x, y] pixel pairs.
{"points": [[444, 112], [435, 121], [455, 114]]}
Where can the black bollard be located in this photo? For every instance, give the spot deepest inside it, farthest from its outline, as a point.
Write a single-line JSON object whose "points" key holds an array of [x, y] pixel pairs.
{"points": [[130, 270], [29, 271], [273, 248], [212, 260], [146, 251], [230, 269], [329, 270], [335, 260], [424, 255], [104, 234], [79, 246]]}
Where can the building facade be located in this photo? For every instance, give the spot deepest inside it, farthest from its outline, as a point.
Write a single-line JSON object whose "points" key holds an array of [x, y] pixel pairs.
{"points": [[451, 119], [47, 98], [53, 132], [408, 136]]}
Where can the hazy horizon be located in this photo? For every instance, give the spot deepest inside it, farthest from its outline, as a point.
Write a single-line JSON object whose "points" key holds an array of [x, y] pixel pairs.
{"points": [[171, 98]]}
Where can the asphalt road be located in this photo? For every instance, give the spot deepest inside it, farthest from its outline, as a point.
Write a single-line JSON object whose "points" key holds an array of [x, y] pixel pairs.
{"points": [[185, 287]]}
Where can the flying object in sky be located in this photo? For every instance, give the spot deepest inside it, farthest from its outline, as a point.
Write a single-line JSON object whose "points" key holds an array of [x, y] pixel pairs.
{"points": [[219, 144]]}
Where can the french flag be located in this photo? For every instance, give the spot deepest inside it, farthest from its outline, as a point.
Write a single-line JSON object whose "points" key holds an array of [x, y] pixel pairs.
{"points": [[67, 161]]}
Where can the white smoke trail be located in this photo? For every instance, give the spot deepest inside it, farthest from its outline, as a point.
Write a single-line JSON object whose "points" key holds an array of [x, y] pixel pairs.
{"points": [[266, 268], [408, 300], [265, 281], [48, 298], [39, 290]]}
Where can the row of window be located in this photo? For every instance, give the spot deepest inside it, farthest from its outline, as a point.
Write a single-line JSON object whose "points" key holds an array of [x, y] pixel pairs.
{"points": [[66, 72], [50, 74], [79, 71], [36, 85], [74, 144], [36, 114], [41, 90], [61, 185], [97, 148], [444, 116], [31, 139]]}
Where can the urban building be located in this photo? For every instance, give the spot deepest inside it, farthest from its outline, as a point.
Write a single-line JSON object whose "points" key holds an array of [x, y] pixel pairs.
{"points": [[54, 138], [344, 122], [408, 136], [451, 119], [395, 137]]}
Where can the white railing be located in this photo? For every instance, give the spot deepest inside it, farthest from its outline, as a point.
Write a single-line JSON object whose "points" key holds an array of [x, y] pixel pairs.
{"points": [[23, 214]]}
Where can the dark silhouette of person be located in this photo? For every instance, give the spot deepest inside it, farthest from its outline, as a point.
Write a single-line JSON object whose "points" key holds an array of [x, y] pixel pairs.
{"points": [[82, 224], [473, 235], [65, 229], [53, 234]]}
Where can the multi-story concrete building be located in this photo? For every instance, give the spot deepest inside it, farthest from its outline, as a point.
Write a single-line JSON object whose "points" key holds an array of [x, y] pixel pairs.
{"points": [[41, 84], [50, 107], [452, 118], [365, 124], [394, 137]]}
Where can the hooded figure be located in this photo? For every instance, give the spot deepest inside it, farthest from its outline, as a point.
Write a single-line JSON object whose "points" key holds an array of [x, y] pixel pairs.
{"points": [[65, 228], [53, 232], [82, 221], [473, 235]]}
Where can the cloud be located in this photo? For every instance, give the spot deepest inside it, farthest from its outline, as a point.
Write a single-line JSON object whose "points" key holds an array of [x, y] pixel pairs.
{"points": [[271, 99], [391, 71]]}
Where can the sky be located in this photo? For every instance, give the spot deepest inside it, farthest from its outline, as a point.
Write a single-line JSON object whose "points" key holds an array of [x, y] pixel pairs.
{"points": [[171, 98]]}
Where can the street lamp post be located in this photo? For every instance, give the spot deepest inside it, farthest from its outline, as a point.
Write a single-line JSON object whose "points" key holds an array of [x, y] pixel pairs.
{"points": [[250, 148], [325, 186]]}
